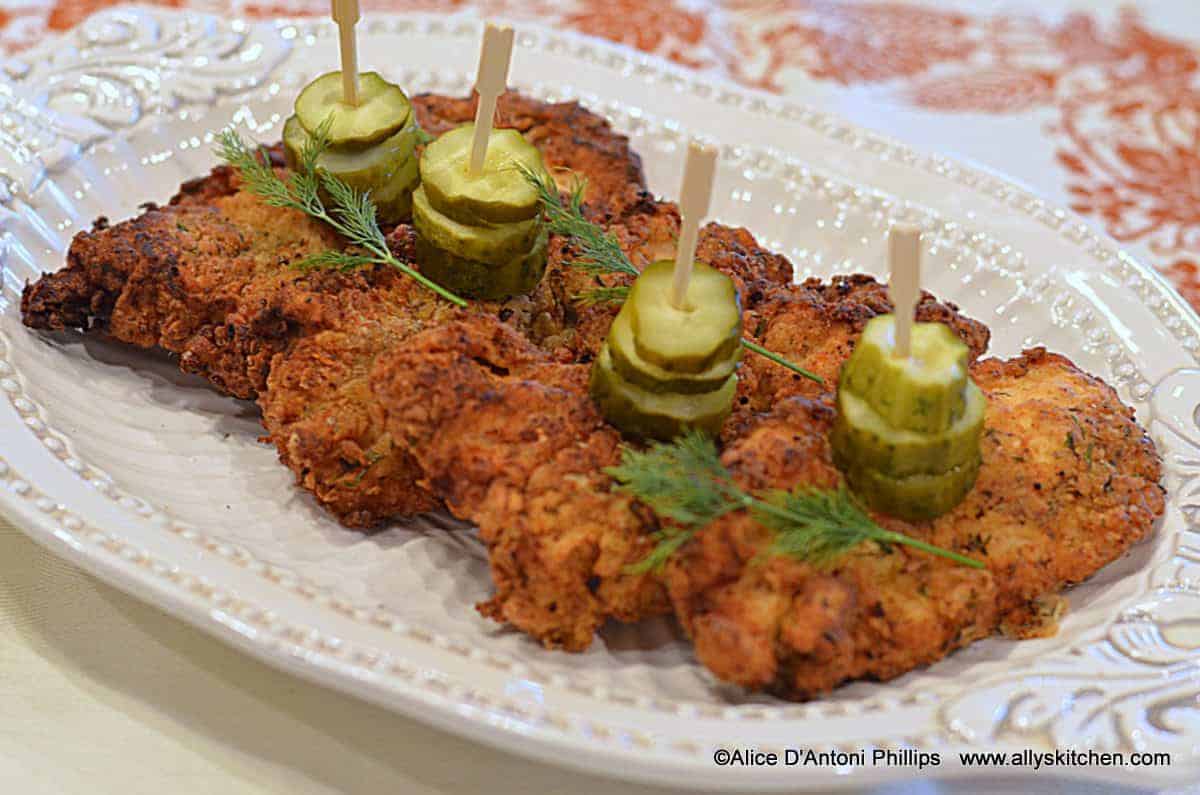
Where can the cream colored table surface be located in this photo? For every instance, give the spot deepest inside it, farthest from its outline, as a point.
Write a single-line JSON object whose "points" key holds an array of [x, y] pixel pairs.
{"points": [[100, 693]]}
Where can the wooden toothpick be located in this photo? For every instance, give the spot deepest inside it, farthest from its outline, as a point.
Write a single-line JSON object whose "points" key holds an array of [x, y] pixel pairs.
{"points": [[345, 15], [904, 259], [490, 82], [694, 197]]}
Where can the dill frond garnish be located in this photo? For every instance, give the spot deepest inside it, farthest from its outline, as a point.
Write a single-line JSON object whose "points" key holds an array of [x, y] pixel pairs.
{"points": [[351, 214], [343, 261], [685, 482], [818, 525], [750, 345], [601, 254], [602, 295]]}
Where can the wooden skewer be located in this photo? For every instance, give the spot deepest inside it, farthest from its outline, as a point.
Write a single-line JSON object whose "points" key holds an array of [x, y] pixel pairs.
{"points": [[694, 197], [345, 15], [490, 82], [904, 259]]}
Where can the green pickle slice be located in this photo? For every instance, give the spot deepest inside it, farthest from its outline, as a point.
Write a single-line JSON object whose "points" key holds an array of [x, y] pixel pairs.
{"points": [[654, 378], [916, 497], [861, 437], [907, 434], [388, 169], [657, 415], [494, 245], [475, 279], [923, 392], [393, 202], [382, 108], [498, 194], [692, 340]]}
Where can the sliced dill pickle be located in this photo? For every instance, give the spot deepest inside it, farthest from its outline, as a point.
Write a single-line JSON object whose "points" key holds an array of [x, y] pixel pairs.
{"points": [[495, 245], [655, 415], [862, 438], [382, 109], [916, 497], [295, 138], [651, 377], [393, 202], [375, 164], [475, 279], [499, 193], [922, 392], [388, 169], [692, 340]]}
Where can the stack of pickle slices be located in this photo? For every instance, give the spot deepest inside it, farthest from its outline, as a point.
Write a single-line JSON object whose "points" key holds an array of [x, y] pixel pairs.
{"points": [[665, 370], [372, 145], [908, 428], [481, 235]]}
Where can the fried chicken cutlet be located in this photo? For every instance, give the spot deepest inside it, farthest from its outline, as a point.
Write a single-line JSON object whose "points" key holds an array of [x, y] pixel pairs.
{"points": [[1043, 515], [319, 399], [512, 442], [207, 278]]}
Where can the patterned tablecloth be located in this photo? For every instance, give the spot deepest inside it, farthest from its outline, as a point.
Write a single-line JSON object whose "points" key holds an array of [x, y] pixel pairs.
{"points": [[1095, 105]]}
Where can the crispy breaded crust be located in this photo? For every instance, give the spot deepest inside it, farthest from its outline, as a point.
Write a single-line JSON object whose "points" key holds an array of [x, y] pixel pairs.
{"points": [[1044, 514], [1071, 481], [208, 278], [509, 438], [647, 231], [819, 322], [384, 401], [511, 441], [569, 136]]}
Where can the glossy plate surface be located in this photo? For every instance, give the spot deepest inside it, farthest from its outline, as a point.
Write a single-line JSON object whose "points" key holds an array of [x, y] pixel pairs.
{"points": [[145, 477]]}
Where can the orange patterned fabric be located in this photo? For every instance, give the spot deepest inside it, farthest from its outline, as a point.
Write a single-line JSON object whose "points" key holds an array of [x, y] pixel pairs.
{"points": [[1116, 99]]}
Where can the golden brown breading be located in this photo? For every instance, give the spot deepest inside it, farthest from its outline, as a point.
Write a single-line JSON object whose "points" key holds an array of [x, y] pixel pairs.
{"points": [[647, 231], [1074, 481], [819, 323], [208, 278], [570, 138], [319, 411], [385, 400], [172, 277], [511, 441], [318, 407], [508, 437], [1069, 481]]}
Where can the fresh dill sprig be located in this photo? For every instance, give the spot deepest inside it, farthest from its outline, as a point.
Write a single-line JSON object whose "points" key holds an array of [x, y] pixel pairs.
{"points": [[602, 295], [751, 345], [343, 261], [685, 482], [351, 214], [356, 211], [817, 525], [601, 253]]}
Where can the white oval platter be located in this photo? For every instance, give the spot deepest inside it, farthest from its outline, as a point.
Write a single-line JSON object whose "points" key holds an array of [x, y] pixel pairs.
{"points": [[143, 476]]}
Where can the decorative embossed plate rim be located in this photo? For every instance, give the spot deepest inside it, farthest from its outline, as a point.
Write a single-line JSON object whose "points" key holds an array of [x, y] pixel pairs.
{"points": [[1133, 673]]}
